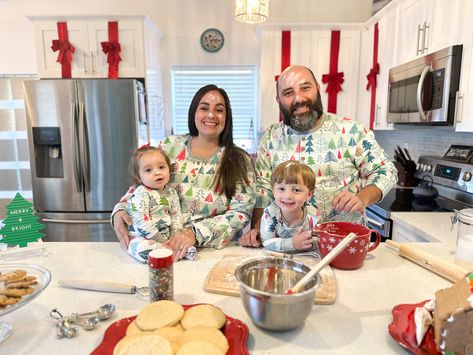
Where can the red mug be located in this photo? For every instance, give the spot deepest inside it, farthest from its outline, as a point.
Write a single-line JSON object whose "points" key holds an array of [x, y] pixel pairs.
{"points": [[331, 233]]}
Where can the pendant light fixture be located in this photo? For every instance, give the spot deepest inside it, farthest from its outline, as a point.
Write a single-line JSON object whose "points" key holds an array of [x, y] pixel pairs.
{"points": [[251, 11]]}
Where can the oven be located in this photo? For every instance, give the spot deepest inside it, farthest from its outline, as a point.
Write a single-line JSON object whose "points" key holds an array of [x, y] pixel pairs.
{"points": [[452, 179]]}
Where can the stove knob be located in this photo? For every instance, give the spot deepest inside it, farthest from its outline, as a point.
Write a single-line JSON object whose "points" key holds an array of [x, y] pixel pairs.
{"points": [[466, 176], [428, 168]]}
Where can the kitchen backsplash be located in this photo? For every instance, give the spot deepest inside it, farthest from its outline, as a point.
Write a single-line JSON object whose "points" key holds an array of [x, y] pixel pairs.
{"points": [[422, 140]]}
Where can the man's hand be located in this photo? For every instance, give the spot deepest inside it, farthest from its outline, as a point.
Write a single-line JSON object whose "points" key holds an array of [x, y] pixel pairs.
{"points": [[180, 242], [121, 220], [250, 239], [302, 240], [347, 202]]}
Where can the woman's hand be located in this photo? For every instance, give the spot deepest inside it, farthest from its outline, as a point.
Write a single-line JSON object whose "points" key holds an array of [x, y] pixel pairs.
{"points": [[121, 220], [180, 242], [302, 240], [250, 239]]}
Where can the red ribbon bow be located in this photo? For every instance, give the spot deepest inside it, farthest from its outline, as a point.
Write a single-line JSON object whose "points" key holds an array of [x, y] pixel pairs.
{"points": [[65, 51], [112, 49], [334, 82], [372, 77], [144, 146]]}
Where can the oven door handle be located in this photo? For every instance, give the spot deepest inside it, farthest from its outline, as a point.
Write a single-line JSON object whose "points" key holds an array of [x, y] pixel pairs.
{"points": [[375, 223]]}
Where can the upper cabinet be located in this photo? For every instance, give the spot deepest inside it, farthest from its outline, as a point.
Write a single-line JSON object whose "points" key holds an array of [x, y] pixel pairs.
{"points": [[387, 31], [86, 35], [426, 26]]}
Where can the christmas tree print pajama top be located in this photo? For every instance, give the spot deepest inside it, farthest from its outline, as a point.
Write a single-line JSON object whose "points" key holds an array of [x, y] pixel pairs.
{"points": [[276, 235], [156, 215], [343, 154], [214, 219]]}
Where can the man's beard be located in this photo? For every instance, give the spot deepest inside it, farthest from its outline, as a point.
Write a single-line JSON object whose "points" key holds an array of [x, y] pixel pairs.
{"points": [[306, 121]]}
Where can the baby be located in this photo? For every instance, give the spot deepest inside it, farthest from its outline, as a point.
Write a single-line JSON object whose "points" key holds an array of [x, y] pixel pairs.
{"points": [[153, 206], [287, 223]]}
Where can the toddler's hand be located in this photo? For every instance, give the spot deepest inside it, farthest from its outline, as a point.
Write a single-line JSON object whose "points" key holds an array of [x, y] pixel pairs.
{"points": [[302, 240]]}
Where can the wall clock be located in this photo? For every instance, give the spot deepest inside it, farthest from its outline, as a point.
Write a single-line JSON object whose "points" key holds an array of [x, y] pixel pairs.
{"points": [[212, 40]]}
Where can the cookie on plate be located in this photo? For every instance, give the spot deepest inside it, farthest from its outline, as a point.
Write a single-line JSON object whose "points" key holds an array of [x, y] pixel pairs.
{"points": [[172, 334], [206, 315], [143, 344], [199, 347], [209, 334], [12, 275], [159, 314]]}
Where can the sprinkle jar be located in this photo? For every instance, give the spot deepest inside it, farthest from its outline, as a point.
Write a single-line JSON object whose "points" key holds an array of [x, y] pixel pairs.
{"points": [[161, 276]]}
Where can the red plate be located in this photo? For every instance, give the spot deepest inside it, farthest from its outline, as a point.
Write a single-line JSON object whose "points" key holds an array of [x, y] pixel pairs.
{"points": [[403, 330], [235, 330]]}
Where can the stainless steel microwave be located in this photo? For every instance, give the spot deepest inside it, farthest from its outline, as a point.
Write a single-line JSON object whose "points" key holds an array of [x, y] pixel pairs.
{"points": [[424, 91]]}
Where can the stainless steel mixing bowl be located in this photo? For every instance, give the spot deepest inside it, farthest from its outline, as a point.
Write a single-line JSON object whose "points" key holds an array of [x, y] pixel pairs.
{"points": [[263, 283]]}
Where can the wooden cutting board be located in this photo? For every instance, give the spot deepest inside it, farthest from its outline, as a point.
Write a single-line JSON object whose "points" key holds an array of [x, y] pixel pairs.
{"points": [[221, 278]]}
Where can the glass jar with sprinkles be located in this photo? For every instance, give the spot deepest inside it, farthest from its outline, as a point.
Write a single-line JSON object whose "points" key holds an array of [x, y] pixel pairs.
{"points": [[161, 276]]}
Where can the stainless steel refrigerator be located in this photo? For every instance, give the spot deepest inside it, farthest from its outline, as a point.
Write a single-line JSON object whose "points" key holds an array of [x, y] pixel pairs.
{"points": [[81, 134]]}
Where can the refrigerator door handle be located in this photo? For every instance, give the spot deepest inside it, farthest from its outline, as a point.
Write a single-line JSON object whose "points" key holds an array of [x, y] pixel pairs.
{"points": [[76, 221], [84, 151], [75, 146]]}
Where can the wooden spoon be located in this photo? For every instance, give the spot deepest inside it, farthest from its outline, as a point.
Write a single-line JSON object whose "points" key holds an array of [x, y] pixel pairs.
{"points": [[325, 261]]}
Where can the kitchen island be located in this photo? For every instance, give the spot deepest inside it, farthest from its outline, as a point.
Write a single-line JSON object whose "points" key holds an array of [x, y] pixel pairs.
{"points": [[356, 323]]}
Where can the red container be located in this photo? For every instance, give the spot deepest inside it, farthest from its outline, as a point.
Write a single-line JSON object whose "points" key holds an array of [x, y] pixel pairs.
{"points": [[331, 233]]}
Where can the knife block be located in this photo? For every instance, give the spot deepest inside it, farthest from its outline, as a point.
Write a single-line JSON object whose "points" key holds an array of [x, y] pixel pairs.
{"points": [[405, 174]]}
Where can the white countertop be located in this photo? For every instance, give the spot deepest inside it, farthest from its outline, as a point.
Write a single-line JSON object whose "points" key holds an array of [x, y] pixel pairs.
{"points": [[432, 226], [356, 323]]}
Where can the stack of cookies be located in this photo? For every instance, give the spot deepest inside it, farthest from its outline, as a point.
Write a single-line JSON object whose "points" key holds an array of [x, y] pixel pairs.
{"points": [[14, 285], [166, 328]]}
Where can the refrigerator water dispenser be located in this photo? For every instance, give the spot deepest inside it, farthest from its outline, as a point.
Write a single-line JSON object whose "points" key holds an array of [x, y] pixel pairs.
{"points": [[48, 157]]}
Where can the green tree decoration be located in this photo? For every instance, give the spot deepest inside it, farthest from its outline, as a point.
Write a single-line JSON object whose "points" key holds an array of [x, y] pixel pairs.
{"points": [[21, 225]]}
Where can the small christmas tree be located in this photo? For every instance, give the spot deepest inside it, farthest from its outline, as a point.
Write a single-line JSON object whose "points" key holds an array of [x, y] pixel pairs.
{"points": [[21, 225]]}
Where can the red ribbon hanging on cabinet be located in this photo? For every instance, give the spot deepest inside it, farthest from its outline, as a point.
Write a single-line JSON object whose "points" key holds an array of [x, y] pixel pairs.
{"points": [[372, 76], [112, 49], [65, 49], [285, 55], [334, 79]]}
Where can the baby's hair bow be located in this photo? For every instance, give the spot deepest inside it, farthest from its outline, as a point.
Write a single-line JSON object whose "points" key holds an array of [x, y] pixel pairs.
{"points": [[144, 146]]}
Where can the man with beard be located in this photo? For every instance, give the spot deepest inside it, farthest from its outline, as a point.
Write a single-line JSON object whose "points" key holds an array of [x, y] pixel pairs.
{"points": [[352, 171]]}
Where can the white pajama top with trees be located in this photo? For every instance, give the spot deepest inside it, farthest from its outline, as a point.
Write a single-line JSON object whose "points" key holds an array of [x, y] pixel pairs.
{"points": [[276, 234], [343, 154], [214, 219]]}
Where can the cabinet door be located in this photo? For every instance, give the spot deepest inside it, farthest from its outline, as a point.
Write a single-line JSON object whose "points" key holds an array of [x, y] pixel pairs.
{"points": [[366, 62], [348, 63], [387, 27], [130, 36], [445, 24], [464, 111], [270, 67], [413, 15], [46, 32]]}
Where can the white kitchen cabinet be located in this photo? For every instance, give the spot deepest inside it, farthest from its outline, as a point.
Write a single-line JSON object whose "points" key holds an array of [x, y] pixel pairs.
{"points": [[403, 234], [311, 47], [86, 35], [426, 26], [387, 32], [464, 109]]}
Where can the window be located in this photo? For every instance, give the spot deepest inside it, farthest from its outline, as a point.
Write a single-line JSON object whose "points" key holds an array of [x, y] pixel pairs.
{"points": [[14, 157], [240, 84]]}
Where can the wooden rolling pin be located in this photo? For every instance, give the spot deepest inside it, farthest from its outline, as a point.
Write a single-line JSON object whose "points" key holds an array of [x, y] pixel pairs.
{"points": [[446, 269]]}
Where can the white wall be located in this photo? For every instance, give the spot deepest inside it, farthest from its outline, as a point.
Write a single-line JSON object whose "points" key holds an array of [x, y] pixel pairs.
{"points": [[181, 21]]}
